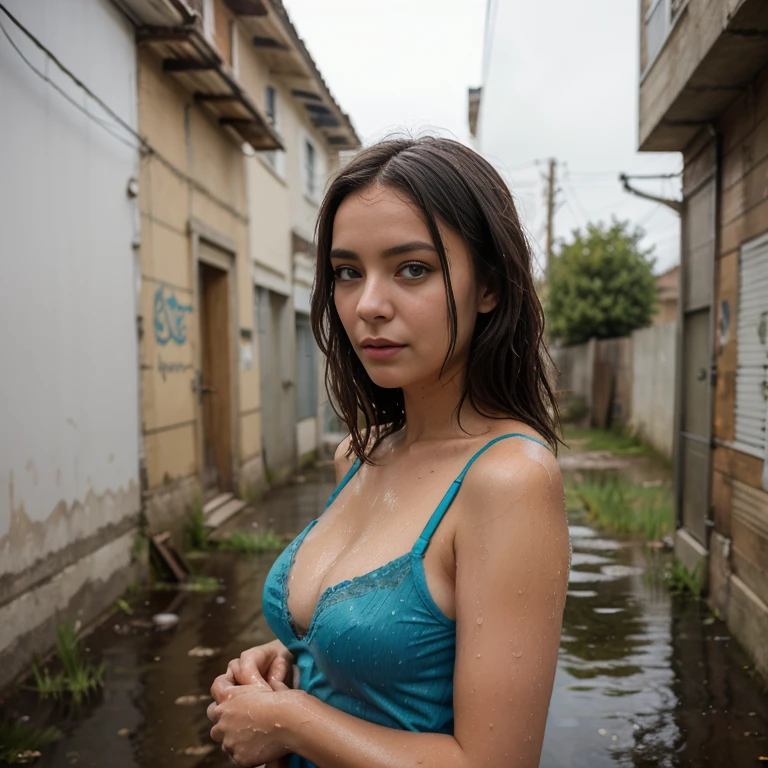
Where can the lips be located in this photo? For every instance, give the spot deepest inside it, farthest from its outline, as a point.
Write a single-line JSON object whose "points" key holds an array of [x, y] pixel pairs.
{"points": [[380, 348], [379, 341]]}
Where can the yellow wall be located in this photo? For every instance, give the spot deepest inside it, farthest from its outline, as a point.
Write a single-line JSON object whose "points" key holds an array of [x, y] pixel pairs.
{"points": [[207, 186]]}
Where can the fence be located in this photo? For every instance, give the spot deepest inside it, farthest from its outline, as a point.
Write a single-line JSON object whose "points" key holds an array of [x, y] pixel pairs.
{"points": [[628, 381]]}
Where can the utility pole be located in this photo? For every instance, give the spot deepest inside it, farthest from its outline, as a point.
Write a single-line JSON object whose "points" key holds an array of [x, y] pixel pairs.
{"points": [[551, 187]]}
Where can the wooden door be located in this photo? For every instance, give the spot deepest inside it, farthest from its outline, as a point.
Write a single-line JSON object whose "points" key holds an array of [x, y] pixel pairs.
{"points": [[214, 387], [696, 353]]}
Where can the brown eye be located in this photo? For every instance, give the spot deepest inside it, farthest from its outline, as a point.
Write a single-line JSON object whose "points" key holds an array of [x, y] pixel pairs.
{"points": [[344, 274], [414, 270]]}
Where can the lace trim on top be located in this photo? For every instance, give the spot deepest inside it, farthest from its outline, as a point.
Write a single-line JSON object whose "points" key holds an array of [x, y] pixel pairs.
{"points": [[388, 576]]}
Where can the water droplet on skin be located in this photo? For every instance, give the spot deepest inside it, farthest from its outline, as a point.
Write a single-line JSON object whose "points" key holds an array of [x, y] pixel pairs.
{"points": [[479, 620], [478, 655]]}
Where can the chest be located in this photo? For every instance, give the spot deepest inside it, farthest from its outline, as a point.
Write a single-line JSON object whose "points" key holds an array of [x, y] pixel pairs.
{"points": [[375, 521]]}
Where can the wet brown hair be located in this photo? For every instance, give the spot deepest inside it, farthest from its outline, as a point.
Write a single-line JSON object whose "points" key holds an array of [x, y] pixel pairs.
{"points": [[506, 372]]}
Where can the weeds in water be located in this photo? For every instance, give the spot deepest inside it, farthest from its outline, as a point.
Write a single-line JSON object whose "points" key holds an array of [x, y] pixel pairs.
{"points": [[252, 543], [19, 742], [681, 581], [617, 506], [619, 443], [124, 606], [572, 499], [197, 528], [78, 677], [195, 584]]}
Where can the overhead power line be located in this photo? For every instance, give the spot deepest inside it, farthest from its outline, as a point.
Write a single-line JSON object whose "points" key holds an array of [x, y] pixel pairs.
{"points": [[142, 144]]}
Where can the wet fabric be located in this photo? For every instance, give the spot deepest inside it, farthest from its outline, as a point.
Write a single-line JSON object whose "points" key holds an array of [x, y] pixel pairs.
{"points": [[378, 647]]}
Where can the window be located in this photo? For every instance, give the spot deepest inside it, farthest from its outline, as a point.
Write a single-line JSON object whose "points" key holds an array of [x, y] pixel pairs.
{"points": [[209, 25], [310, 162], [306, 368], [658, 24], [233, 47], [271, 104], [274, 156]]}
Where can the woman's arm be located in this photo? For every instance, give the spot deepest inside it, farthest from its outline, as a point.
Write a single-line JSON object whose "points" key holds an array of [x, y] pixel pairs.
{"points": [[512, 554]]}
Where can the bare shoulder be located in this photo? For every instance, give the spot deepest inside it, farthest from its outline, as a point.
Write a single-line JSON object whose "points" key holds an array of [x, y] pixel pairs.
{"points": [[520, 473], [343, 459]]}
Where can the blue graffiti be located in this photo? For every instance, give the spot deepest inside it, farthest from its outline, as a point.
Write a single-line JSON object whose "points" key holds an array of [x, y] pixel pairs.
{"points": [[169, 318]]}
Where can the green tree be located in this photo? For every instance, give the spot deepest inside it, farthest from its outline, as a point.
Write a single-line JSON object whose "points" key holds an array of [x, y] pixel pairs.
{"points": [[601, 285]]}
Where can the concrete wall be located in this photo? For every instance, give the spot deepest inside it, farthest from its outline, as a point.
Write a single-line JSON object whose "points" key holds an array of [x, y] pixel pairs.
{"points": [[653, 385], [617, 353], [575, 366], [69, 488]]}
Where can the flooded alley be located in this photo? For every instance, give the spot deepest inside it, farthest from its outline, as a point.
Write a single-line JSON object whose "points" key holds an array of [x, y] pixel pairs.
{"points": [[642, 679]]}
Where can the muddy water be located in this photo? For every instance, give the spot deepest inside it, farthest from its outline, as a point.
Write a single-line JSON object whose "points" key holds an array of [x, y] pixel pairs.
{"points": [[642, 680]]}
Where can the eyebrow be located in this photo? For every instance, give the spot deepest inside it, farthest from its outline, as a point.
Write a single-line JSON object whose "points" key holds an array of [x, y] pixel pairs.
{"points": [[396, 250]]}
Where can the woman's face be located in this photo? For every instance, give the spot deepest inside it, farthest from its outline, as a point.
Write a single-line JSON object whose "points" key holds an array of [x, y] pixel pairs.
{"points": [[389, 289]]}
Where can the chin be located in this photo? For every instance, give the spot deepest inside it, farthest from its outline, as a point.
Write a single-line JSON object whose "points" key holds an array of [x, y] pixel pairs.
{"points": [[389, 379]]}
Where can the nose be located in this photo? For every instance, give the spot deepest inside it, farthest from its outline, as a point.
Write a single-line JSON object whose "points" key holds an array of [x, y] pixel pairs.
{"points": [[375, 303]]}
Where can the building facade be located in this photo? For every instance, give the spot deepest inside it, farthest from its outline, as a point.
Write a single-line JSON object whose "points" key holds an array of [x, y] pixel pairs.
{"points": [[241, 129], [165, 159], [69, 416], [284, 191], [704, 92]]}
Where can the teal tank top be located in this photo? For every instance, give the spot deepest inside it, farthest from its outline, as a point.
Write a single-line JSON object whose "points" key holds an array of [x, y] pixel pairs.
{"points": [[377, 647]]}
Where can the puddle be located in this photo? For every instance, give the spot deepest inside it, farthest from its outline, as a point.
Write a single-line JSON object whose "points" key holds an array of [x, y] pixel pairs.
{"points": [[642, 681]]}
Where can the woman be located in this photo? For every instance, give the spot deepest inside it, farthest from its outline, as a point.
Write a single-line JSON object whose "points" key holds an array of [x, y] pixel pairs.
{"points": [[424, 607]]}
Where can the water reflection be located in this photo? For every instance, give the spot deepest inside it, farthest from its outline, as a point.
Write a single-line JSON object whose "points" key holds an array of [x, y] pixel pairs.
{"points": [[641, 681]]}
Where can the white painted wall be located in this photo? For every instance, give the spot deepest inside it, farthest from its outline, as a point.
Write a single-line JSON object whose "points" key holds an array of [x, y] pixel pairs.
{"points": [[69, 411]]}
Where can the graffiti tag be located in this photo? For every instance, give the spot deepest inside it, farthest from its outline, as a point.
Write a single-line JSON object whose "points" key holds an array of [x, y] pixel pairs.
{"points": [[169, 318], [166, 367]]}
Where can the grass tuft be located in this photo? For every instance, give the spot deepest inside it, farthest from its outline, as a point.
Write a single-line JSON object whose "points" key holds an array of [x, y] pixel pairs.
{"points": [[77, 678], [252, 543], [197, 528], [20, 741], [617, 506], [680, 581], [618, 443]]}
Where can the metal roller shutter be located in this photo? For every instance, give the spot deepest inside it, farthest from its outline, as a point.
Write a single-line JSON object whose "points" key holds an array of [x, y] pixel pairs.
{"points": [[752, 346]]}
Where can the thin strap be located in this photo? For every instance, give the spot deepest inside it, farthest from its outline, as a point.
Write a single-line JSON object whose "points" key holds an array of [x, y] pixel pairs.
{"points": [[340, 487], [423, 541]]}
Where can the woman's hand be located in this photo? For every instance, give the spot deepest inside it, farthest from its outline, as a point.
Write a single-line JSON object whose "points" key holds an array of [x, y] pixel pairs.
{"points": [[247, 720], [263, 663]]}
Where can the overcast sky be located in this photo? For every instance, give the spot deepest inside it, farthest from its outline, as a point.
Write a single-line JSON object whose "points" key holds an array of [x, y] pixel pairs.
{"points": [[559, 78]]}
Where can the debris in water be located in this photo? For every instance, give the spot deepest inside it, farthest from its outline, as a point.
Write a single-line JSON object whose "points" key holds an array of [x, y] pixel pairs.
{"points": [[191, 699], [123, 732], [165, 620], [200, 650], [201, 751]]}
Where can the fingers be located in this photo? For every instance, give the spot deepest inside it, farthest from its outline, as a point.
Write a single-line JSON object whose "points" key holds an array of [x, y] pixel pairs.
{"points": [[278, 685], [212, 712], [253, 665], [234, 670], [278, 670], [221, 687]]}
